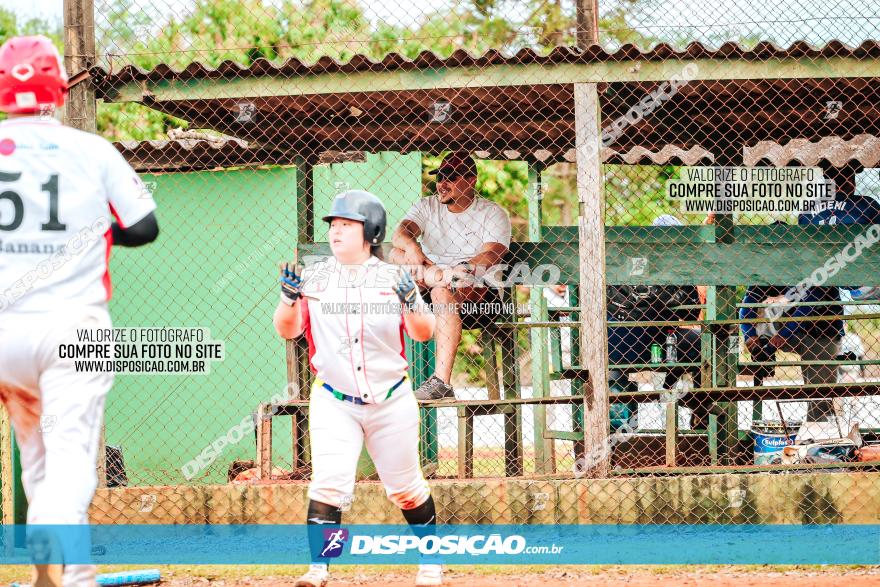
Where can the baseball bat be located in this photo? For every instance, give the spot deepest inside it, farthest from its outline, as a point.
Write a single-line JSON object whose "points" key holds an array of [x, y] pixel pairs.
{"points": [[136, 577]]}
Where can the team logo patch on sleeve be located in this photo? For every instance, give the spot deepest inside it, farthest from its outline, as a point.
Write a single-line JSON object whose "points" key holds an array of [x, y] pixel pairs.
{"points": [[7, 147]]}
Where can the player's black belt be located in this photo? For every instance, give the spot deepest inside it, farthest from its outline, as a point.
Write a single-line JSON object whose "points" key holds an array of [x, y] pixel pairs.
{"points": [[356, 400]]}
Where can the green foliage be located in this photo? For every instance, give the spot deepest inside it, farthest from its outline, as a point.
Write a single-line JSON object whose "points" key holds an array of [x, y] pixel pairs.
{"points": [[214, 31], [133, 122], [8, 24], [11, 27], [635, 195]]}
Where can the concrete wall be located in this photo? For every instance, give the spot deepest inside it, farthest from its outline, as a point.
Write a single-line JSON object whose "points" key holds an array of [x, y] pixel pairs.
{"points": [[852, 498]]}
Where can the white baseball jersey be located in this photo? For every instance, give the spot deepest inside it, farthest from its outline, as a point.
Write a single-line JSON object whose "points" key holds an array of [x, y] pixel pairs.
{"points": [[60, 188], [450, 238], [354, 327]]}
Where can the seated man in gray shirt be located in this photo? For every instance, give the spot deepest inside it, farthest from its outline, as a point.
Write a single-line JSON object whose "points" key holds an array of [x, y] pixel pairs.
{"points": [[454, 228]]}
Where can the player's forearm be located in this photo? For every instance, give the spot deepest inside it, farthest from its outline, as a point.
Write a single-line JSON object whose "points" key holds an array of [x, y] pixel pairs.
{"points": [[419, 324], [486, 259], [138, 234], [288, 320], [404, 239]]}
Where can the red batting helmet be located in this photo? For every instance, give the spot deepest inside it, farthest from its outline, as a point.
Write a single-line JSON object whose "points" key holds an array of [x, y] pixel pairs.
{"points": [[32, 75]]}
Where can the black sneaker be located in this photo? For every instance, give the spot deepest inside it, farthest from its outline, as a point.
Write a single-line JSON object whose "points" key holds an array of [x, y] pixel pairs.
{"points": [[434, 389]]}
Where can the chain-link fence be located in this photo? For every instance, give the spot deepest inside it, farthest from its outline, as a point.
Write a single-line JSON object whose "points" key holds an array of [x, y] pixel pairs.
{"points": [[742, 330]]}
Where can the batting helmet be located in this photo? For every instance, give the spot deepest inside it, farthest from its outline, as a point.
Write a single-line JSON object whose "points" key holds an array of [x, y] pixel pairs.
{"points": [[363, 207], [31, 75]]}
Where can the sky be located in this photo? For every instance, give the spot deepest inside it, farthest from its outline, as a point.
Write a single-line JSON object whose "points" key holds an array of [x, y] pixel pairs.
{"points": [[786, 21], [388, 10], [46, 9]]}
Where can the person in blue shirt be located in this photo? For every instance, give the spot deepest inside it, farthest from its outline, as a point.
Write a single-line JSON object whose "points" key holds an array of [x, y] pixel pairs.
{"points": [[848, 207], [812, 340]]}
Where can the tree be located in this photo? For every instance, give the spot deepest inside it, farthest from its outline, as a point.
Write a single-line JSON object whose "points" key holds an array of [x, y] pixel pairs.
{"points": [[214, 31], [11, 27]]}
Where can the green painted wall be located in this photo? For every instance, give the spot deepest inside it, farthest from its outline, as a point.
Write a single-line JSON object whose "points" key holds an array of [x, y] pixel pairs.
{"points": [[215, 265], [395, 178]]}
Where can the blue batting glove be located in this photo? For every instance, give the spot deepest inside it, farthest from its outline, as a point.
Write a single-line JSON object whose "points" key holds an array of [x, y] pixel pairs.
{"points": [[291, 283], [406, 290]]}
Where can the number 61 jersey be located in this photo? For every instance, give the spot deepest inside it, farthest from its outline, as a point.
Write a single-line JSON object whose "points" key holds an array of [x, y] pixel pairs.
{"points": [[60, 190]]}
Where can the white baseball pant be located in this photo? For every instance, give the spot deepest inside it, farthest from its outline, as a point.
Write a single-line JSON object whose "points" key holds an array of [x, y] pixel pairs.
{"points": [[338, 430], [57, 415]]}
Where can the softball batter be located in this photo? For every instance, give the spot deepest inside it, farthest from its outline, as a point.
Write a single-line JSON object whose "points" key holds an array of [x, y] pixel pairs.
{"points": [[361, 392]]}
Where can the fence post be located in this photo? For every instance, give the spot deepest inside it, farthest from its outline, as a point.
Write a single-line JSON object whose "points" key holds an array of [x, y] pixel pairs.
{"points": [[79, 55], [544, 457], [81, 110], [7, 480], [298, 351], [591, 234], [587, 23], [725, 361]]}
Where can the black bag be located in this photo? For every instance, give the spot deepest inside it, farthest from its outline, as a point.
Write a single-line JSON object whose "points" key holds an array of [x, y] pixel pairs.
{"points": [[632, 303]]}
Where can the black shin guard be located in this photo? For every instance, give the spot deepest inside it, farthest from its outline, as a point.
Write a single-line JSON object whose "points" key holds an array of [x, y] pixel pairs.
{"points": [[423, 518], [422, 521], [321, 516]]}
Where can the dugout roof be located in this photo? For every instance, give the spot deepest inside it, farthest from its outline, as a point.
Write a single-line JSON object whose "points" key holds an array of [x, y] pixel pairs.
{"points": [[521, 104]]}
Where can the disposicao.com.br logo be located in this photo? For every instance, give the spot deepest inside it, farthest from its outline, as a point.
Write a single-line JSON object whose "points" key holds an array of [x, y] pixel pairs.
{"points": [[448, 544]]}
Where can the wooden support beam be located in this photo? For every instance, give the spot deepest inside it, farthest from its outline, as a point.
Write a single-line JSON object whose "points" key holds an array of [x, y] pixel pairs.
{"points": [[544, 456], [671, 432], [299, 424], [7, 480], [771, 392], [591, 230], [487, 339], [738, 469], [688, 255], [264, 442], [297, 351], [732, 264], [587, 23], [80, 110], [579, 380], [633, 69], [513, 449], [510, 381], [465, 444], [725, 344]]}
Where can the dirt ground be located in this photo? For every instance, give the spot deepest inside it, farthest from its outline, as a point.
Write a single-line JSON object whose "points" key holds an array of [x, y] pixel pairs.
{"points": [[512, 576], [575, 576]]}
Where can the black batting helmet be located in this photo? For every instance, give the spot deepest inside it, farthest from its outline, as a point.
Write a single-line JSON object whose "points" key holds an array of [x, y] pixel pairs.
{"points": [[363, 207]]}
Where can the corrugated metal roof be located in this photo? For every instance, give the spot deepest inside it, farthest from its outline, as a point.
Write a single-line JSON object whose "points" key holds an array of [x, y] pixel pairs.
{"points": [[209, 153], [202, 153], [668, 155], [193, 154], [461, 58], [863, 149]]}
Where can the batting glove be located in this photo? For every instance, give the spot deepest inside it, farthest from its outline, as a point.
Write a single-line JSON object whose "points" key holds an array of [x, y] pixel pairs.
{"points": [[406, 290], [291, 285]]}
